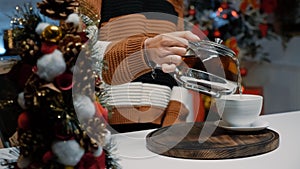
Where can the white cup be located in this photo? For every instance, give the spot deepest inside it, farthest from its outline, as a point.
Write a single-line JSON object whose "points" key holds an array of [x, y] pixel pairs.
{"points": [[239, 110]]}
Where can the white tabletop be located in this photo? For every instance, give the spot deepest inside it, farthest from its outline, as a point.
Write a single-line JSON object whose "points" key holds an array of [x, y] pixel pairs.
{"points": [[134, 154]]}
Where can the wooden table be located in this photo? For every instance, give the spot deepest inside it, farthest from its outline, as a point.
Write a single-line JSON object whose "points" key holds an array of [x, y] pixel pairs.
{"points": [[133, 153]]}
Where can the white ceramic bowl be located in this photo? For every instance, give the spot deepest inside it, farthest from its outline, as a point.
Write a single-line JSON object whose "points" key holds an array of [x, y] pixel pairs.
{"points": [[240, 110], [155, 86]]}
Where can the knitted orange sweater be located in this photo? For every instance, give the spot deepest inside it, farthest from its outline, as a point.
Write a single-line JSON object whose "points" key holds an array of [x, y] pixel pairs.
{"points": [[124, 60]]}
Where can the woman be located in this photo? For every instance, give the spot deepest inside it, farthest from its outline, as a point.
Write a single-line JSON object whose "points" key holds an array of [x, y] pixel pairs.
{"points": [[144, 35]]}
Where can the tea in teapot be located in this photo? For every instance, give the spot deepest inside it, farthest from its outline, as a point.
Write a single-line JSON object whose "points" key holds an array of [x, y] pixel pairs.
{"points": [[209, 68]]}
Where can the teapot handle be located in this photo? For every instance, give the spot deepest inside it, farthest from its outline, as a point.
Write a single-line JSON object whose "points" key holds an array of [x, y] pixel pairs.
{"points": [[211, 85], [204, 82]]}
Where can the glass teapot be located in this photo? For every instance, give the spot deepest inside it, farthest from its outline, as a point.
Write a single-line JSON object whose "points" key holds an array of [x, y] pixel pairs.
{"points": [[209, 68]]}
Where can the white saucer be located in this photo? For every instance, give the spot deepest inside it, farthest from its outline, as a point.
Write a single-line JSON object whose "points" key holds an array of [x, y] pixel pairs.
{"points": [[257, 125]]}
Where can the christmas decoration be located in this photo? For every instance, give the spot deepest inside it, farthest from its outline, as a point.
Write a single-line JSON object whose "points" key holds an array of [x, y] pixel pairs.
{"points": [[242, 22], [58, 9], [63, 123]]}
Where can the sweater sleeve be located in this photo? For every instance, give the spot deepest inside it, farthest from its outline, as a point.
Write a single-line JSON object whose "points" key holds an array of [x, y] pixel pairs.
{"points": [[124, 60]]}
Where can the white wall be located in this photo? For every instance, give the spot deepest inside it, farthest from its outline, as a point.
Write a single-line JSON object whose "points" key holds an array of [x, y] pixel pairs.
{"points": [[280, 78]]}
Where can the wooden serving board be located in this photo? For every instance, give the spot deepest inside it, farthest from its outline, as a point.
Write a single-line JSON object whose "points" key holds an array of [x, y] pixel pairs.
{"points": [[185, 141]]}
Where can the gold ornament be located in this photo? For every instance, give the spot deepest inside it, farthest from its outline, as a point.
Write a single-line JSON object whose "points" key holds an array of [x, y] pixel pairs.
{"points": [[52, 34]]}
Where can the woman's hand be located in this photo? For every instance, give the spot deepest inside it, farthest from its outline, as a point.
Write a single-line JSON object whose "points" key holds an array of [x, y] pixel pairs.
{"points": [[166, 49]]}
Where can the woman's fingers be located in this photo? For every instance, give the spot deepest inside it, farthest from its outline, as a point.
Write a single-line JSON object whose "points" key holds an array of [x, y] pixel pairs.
{"points": [[169, 41], [173, 59], [185, 35], [177, 50], [163, 55], [166, 49], [168, 68], [179, 39]]}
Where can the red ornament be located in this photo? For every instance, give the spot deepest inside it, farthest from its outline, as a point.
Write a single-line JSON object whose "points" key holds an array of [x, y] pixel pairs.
{"points": [[243, 89], [243, 71], [47, 156], [245, 3], [48, 48], [34, 69], [217, 33], [23, 121], [89, 161], [263, 29], [101, 111], [234, 14], [83, 37], [64, 81], [192, 11]]}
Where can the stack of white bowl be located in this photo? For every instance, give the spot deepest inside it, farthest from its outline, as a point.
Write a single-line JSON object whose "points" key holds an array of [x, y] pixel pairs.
{"points": [[156, 95], [139, 94], [125, 94]]}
